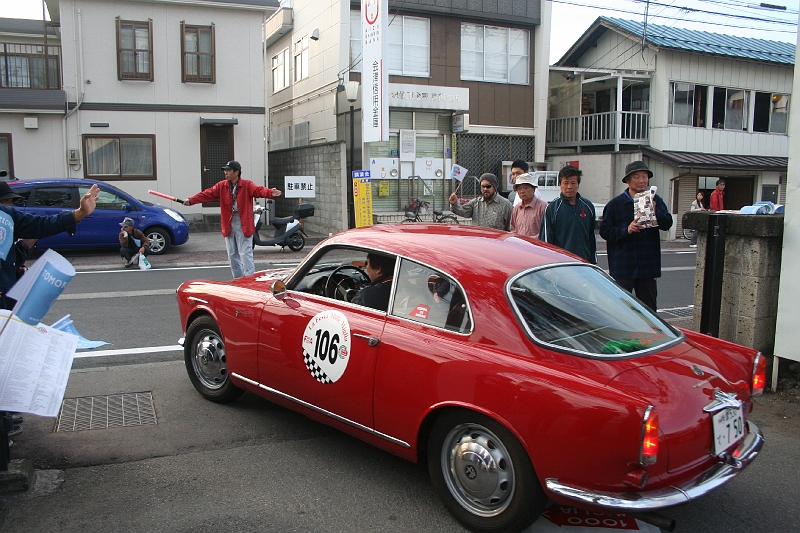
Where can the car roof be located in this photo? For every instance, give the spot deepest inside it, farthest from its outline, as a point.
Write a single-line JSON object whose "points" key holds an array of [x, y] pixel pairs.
{"points": [[60, 181], [461, 250]]}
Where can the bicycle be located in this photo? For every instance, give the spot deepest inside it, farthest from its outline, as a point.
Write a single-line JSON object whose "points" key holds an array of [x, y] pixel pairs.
{"points": [[415, 206]]}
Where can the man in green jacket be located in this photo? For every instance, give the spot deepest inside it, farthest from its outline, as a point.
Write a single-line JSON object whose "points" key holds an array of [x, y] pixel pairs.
{"points": [[569, 220]]}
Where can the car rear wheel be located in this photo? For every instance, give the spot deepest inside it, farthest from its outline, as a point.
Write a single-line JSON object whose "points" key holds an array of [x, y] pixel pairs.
{"points": [[159, 240], [483, 474], [206, 361]]}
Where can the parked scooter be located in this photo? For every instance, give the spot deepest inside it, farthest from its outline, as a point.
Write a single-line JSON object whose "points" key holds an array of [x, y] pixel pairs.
{"points": [[288, 230]]}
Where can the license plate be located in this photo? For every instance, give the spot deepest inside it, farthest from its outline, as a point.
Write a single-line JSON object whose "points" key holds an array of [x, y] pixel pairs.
{"points": [[728, 428]]}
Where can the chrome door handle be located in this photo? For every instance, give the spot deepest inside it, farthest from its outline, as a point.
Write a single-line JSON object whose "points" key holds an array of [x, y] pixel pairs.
{"points": [[372, 341]]}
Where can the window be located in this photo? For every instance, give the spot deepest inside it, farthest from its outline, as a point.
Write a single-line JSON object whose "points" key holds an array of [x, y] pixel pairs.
{"points": [[106, 199], [491, 53], [60, 197], [120, 157], [6, 155], [25, 193], [771, 112], [301, 59], [198, 63], [428, 296], [409, 45], [28, 66], [730, 109], [134, 50], [280, 71], [688, 104]]}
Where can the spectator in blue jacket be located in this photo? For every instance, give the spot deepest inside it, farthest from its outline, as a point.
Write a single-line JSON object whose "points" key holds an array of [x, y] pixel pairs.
{"points": [[569, 220], [634, 251]]}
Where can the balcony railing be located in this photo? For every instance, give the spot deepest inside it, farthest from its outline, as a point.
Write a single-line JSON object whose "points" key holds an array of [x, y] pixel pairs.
{"points": [[614, 127], [30, 66]]}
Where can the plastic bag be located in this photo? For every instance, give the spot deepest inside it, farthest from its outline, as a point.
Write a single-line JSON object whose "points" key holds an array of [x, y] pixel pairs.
{"points": [[144, 264]]}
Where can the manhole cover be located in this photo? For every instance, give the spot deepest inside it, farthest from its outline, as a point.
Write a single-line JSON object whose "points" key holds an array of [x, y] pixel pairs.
{"points": [[100, 412], [683, 312]]}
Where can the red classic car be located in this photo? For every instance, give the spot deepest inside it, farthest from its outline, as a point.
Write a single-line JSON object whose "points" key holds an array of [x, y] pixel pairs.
{"points": [[518, 372]]}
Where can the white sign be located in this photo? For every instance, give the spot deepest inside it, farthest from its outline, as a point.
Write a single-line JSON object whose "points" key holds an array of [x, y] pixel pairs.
{"points": [[408, 145], [299, 186], [384, 168], [374, 70], [326, 346], [460, 122], [428, 97], [430, 168]]}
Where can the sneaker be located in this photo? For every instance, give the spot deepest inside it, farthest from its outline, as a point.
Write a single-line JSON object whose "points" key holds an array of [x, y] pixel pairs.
{"points": [[16, 430], [129, 263], [692, 246]]}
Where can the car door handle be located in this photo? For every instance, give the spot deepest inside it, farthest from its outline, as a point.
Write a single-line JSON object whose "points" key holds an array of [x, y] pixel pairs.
{"points": [[372, 341]]}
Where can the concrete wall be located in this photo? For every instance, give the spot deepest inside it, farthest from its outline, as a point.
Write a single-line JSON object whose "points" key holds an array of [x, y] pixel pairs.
{"points": [[327, 163]]}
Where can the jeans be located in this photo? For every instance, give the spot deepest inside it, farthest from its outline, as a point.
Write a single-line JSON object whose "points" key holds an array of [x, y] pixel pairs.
{"points": [[240, 249]]}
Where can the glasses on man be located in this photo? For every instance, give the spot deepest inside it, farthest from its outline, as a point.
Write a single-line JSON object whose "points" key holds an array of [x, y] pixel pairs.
{"points": [[486, 186]]}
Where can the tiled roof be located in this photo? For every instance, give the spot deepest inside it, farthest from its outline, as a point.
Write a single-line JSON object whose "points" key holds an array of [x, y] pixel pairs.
{"points": [[705, 42], [717, 161], [667, 37]]}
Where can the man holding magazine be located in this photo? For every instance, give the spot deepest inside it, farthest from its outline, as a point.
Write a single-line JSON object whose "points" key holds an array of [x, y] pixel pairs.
{"points": [[634, 244]]}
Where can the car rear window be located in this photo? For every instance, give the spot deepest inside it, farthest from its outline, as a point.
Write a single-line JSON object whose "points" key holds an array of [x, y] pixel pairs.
{"points": [[579, 309], [54, 197]]}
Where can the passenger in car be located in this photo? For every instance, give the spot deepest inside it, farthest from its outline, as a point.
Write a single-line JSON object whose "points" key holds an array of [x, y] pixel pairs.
{"points": [[380, 269]]}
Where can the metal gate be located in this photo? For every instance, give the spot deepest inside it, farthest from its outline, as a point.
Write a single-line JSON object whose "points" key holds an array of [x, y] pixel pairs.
{"points": [[485, 153]]}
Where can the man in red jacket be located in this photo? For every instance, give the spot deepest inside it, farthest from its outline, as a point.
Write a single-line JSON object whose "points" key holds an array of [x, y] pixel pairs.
{"points": [[718, 196], [235, 197]]}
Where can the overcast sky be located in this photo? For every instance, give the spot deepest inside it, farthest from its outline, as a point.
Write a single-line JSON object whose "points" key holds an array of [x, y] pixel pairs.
{"points": [[572, 17]]}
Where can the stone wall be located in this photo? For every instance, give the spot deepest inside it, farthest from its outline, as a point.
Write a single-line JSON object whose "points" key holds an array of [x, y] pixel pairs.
{"points": [[325, 161], [751, 278]]}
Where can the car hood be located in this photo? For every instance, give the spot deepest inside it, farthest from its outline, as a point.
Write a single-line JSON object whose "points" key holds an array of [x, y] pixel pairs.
{"points": [[679, 383]]}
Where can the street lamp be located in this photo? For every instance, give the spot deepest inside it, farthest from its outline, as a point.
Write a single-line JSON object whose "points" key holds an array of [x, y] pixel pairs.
{"points": [[351, 90]]}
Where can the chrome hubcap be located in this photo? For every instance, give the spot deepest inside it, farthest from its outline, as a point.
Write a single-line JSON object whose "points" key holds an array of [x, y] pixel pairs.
{"points": [[478, 470], [209, 360]]}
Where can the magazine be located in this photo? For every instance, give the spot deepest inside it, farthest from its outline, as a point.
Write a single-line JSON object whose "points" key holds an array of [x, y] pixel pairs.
{"points": [[644, 208]]}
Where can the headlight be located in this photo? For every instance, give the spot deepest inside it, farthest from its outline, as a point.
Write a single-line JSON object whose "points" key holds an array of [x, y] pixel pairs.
{"points": [[174, 214]]}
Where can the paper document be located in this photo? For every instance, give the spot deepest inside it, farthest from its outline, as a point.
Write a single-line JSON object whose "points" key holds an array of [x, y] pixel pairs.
{"points": [[41, 285], [35, 362]]}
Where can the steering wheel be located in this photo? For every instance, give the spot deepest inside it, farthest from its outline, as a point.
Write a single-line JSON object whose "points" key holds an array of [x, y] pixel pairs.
{"points": [[338, 290]]}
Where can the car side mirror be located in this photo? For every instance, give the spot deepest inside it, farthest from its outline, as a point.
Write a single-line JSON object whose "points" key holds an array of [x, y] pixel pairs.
{"points": [[279, 290], [128, 206]]}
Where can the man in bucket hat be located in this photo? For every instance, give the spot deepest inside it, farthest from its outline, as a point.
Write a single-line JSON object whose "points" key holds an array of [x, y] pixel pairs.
{"points": [[526, 218], [634, 250], [489, 210], [235, 195]]}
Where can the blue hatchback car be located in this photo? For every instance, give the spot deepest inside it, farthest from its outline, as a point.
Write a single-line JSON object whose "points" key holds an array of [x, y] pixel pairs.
{"points": [[162, 225]]}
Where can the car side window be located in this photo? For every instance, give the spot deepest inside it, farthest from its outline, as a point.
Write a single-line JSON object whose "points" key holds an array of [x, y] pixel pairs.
{"points": [[25, 193], [429, 296], [106, 199], [54, 197]]}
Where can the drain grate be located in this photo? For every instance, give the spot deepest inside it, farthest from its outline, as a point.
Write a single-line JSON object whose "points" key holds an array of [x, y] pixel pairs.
{"points": [[682, 312], [101, 412]]}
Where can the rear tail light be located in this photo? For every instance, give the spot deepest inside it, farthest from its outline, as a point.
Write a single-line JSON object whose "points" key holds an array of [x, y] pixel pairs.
{"points": [[648, 450], [759, 375]]}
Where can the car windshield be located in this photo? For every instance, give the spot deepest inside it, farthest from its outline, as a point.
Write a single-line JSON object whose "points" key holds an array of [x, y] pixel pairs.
{"points": [[579, 309]]}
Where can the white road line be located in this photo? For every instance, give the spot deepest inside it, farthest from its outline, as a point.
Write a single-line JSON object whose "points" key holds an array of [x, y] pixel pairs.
{"points": [[125, 271], [130, 351], [115, 294], [676, 269]]}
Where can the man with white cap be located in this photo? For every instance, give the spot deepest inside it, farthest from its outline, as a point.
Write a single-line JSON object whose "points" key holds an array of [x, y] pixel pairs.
{"points": [[132, 242], [634, 250], [526, 218]]}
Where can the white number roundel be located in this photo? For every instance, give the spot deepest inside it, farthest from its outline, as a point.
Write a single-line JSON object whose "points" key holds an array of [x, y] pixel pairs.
{"points": [[326, 346]]}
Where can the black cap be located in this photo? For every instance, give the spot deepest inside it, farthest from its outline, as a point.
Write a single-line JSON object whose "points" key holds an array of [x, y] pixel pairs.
{"points": [[232, 165], [6, 192], [636, 166]]}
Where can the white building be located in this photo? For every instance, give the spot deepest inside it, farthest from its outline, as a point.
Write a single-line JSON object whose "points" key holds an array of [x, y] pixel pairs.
{"points": [[696, 106], [153, 94]]}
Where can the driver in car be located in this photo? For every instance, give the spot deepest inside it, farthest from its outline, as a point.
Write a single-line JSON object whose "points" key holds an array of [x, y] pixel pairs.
{"points": [[380, 270]]}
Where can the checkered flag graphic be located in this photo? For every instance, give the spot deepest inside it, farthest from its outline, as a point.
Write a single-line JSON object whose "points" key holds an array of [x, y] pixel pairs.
{"points": [[315, 370]]}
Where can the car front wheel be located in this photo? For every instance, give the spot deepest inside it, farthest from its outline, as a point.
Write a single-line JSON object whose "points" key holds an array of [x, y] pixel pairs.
{"points": [[207, 361], [159, 240], [483, 474]]}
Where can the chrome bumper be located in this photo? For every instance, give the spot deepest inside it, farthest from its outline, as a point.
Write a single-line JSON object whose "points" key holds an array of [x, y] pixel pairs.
{"points": [[731, 465]]}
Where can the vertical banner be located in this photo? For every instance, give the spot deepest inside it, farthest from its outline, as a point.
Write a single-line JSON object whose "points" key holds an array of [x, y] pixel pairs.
{"points": [[374, 70], [362, 197]]}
